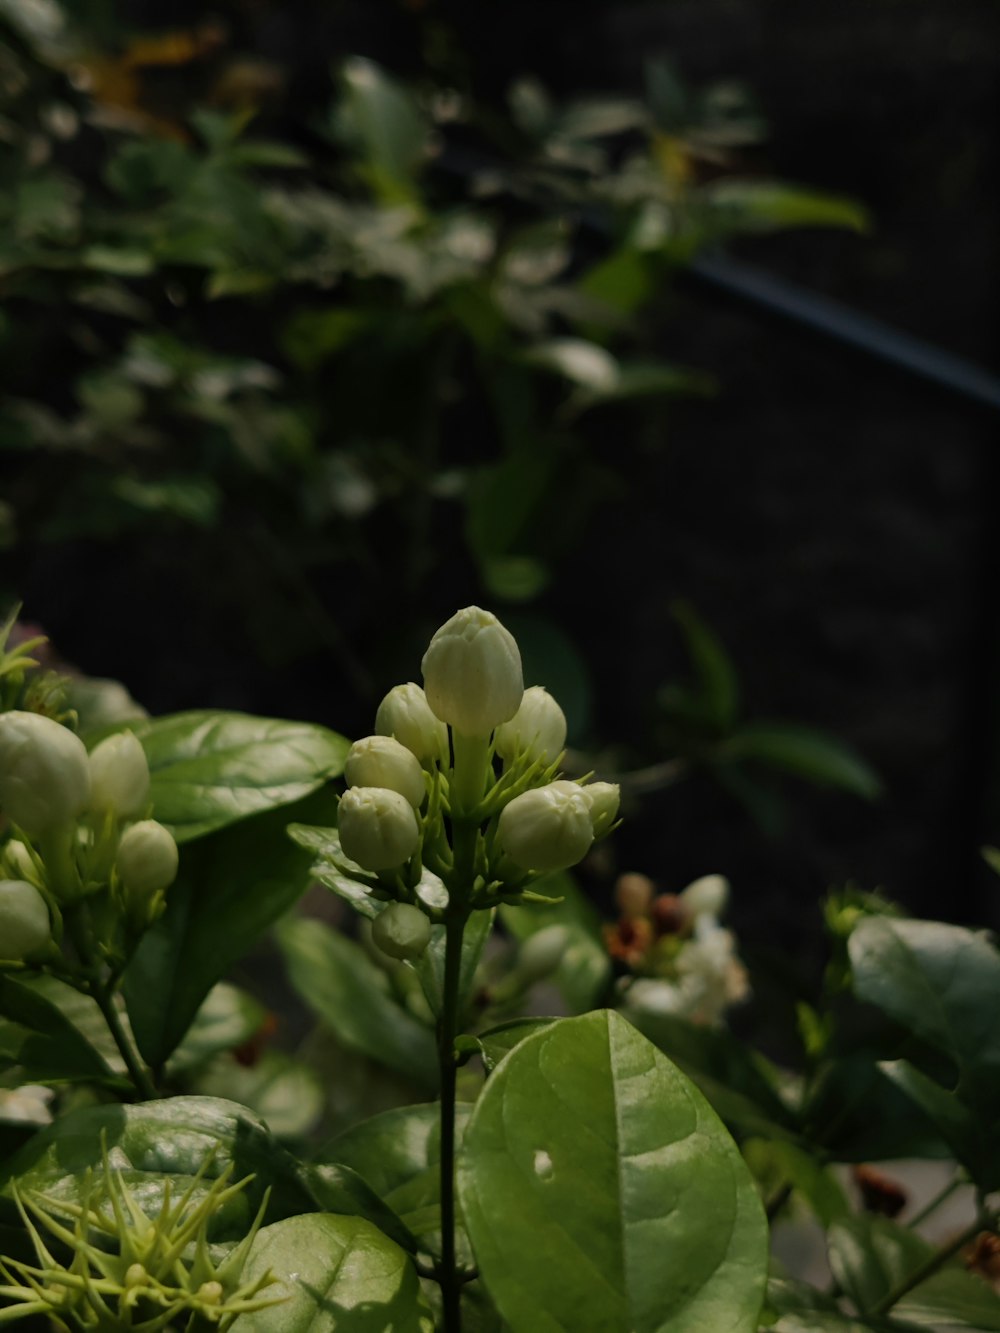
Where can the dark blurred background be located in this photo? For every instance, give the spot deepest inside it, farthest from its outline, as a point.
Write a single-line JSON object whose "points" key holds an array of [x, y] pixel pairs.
{"points": [[828, 515]]}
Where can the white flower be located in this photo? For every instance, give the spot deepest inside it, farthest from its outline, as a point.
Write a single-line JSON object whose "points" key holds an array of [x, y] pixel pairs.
{"points": [[547, 828], [378, 829], [472, 673], [707, 896], [381, 761], [44, 774], [119, 776], [26, 1105], [405, 714], [537, 729]]}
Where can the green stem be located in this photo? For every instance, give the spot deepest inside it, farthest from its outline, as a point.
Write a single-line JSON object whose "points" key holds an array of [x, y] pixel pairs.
{"points": [[985, 1221], [935, 1203], [136, 1070], [447, 1032], [468, 778]]}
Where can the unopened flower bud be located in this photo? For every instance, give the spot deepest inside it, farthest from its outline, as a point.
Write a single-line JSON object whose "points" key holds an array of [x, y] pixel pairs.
{"points": [[401, 931], [537, 729], [147, 859], [211, 1293], [119, 776], [548, 828], [18, 861], [44, 775], [380, 761], [603, 799], [405, 714], [633, 894], [670, 914], [25, 927], [707, 896], [472, 673], [541, 953], [378, 828]]}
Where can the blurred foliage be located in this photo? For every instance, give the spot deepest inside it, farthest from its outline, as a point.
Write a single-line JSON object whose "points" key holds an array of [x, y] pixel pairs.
{"points": [[368, 336]]}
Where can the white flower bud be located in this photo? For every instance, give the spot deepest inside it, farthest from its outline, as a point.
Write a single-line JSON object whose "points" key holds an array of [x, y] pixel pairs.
{"points": [[548, 828], [147, 858], [44, 776], [603, 799], [472, 673], [18, 862], [405, 714], [707, 896], [401, 931], [378, 828], [119, 776], [24, 920], [537, 729], [541, 953], [381, 761]]}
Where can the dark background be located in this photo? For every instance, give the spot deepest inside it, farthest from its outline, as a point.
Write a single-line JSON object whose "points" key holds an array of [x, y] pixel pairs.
{"points": [[830, 517]]}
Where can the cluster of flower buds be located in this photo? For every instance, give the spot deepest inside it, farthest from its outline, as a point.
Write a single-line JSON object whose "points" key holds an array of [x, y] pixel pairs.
{"points": [[682, 960], [460, 787], [80, 831]]}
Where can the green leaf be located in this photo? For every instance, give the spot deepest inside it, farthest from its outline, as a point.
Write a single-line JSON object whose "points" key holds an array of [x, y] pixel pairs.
{"points": [[601, 1191], [641, 380], [496, 1042], [386, 124], [756, 205], [398, 1154], [230, 888], [430, 967], [210, 769], [340, 984], [279, 1088], [872, 1257], [324, 844], [336, 1273], [716, 683], [584, 363], [157, 1141], [777, 1162], [228, 1017], [39, 1037], [808, 754]]}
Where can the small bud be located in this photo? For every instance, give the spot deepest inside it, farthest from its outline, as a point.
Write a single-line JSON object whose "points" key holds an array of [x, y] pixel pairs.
{"points": [[146, 859], [25, 927], [548, 828], [707, 896], [603, 799], [18, 861], [135, 1276], [119, 777], [405, 714], [378, 828], [541, 953], [669, 914], [44, 775], [381, 761], [472, 673], [210, 1293], [401, 931], [633, 894], [537, 729]]}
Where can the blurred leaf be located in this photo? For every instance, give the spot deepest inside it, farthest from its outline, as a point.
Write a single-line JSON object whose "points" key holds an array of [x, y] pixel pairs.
{"points": [[230, 888], [808, 754], [584, 363], [430, 966], [195, 500], [284, 1092], [549, 656], [227, 1018], [515, 578], [715, 697], [384, 121], [755, 205], [340, 984], [585, 969], [640, 381]]}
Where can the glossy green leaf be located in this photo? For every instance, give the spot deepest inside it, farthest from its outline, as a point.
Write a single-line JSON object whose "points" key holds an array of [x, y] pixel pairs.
{"points": [[340, 984], [276, 1086], [496, 1042], [398, 1154], [210, 769], [336, 1274], [601, 1191], [430, 967], [155, 1141], [326, 868], [230, 888], [807, 754]]}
